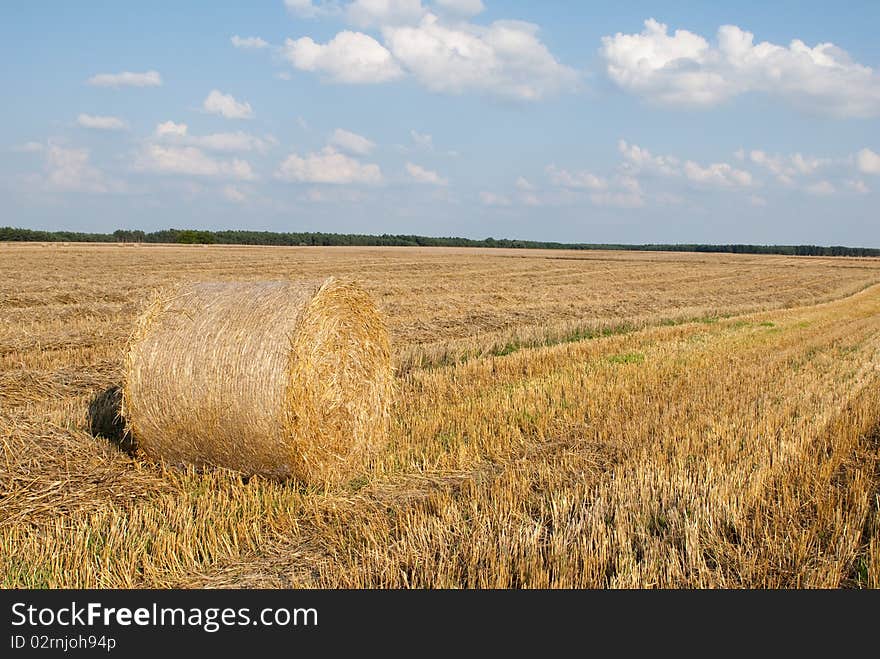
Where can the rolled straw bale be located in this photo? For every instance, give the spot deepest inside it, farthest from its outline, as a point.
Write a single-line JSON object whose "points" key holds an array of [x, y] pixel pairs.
{"points": [[280, 379]]}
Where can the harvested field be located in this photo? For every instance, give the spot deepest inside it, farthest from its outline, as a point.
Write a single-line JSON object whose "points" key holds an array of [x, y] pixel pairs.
{"points": [[563, 419]]}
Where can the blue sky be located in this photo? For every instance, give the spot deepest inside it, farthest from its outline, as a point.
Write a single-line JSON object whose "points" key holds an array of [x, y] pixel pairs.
{"points": [[654, 122]]}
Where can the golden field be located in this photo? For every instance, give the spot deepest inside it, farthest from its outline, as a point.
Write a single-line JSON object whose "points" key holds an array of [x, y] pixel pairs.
{"points": [[562, 419]]}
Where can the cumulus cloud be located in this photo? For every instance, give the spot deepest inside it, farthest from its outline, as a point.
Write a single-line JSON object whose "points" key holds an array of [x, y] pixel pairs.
{"points": [[422, 140], [422, 175], [623, 191], [821, 188], [99, 122], [349, 57], [371, 13], [234, 194], [807, 164], [618, 199], [575, 180], [328, 166], [351, 142], [29, 147], [717, 174], [684, 69], [232, 142], [71, 170], [126, 79], [226, 106], [170, 128], [334, 195], [662, 67], [238, 141], [309, 9], [787, 168], [818, 176], [248, 43], [190, 161], [669, 198], [493, 199], [868, 162], [523, 184], [638, 159], [857, 185], [505, 58], [461, 7]]}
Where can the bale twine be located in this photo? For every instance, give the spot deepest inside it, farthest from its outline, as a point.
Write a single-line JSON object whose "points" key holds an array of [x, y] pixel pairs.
{"points": [[279, 379]]}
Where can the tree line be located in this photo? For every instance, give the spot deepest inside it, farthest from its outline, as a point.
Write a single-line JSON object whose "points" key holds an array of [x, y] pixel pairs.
{"points": [[310, 238]]}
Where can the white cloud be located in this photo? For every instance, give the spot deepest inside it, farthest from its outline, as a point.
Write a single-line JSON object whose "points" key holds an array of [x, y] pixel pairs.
{"points": [[300, 7], [717, 174], [857, 185], [225, 105], [787, 168], [328, 166], [231, 142], [683, 69], [238, 141], [234, 194], [334, 195], [617, 199], [351, 142], [309, 9], [29, 147], [576, 180], [662, 67], [669, 199], [757, 201], [170, 128], [190, 161], [505, 58], [248, 43], [522, 183], [623, 191], [807, 164], [422, 140], [868, 161], [639, 159], [372, 13], [628, 183], [492, 199], [126, 79], [422, 175], [461, 7], [71, 170], [821, 188], [101, 122], [350, 57]]}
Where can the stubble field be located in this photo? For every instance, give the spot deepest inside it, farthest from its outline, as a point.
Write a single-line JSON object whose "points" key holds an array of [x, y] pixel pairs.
{"points": [[562, 419]]}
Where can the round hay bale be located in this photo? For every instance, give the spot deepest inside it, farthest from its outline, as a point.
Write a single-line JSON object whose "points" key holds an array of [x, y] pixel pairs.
{"points": [[279, 379]]}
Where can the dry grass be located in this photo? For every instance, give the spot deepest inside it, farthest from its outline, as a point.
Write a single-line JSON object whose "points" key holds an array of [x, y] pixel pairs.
{"points": [[563, 419]]}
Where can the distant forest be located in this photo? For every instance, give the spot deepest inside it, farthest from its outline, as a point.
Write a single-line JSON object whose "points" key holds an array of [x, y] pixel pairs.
{"points": [[190, 236]]}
